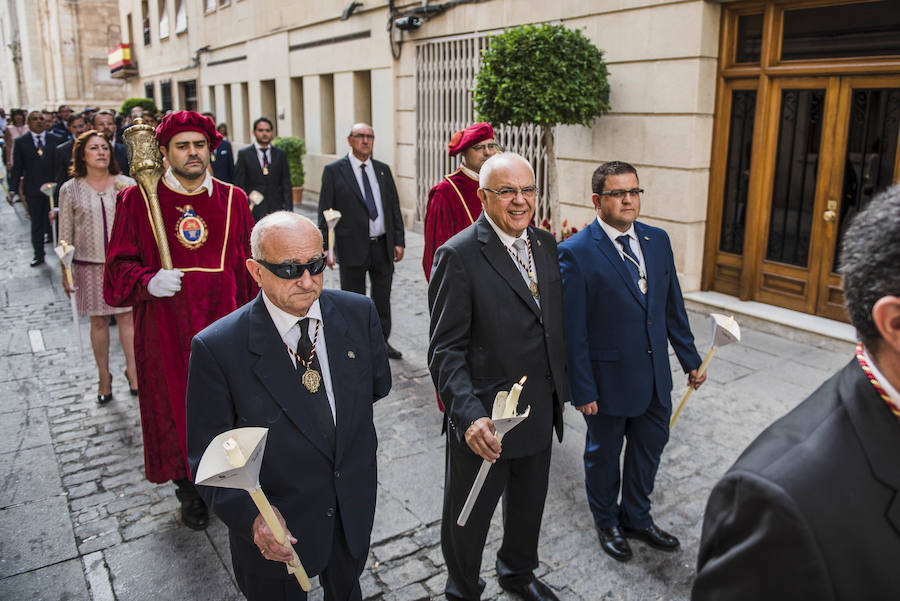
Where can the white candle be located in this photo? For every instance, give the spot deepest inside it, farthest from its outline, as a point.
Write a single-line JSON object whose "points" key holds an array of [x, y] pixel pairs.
{"points": [[512, 399]]}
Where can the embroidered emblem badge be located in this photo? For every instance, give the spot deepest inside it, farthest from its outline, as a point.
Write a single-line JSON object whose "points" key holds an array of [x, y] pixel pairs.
{"points": [[190, 230]]}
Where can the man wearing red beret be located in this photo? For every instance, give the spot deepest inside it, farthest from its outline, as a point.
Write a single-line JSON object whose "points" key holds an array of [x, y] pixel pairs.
{"points": [[208, 225], [453, 203]]}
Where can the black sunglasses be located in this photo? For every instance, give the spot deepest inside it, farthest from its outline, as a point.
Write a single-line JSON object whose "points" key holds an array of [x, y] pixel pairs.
{"points": [[292, 271]]}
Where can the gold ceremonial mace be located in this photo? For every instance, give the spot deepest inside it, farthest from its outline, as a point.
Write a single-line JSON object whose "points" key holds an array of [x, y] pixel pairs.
{"points": [[147, 168]]}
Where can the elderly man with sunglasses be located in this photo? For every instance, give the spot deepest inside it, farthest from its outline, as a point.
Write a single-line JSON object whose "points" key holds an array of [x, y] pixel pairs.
{"points": [[308, 365], [623, 306]]}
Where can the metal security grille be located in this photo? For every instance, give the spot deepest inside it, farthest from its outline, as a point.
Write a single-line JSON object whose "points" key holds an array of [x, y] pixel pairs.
{"points": [[445, 82]]}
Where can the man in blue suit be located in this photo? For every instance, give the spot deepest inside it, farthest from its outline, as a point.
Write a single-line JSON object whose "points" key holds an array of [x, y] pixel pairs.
{"points": [[308, 365], [623, 305]]}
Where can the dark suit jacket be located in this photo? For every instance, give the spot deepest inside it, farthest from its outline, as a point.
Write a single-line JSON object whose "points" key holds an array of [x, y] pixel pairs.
{"points": [[811, 509], [62, 160], [240, 375], [487, 332], [28, 165], [351, 236], [223, 166], [275, 187], [618, 340], [121, 155]]}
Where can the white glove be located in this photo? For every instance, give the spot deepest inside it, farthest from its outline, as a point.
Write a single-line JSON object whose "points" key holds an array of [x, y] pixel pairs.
{"points": [[166, 282]]}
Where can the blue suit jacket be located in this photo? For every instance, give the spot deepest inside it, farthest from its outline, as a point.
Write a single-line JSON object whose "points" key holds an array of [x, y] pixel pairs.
{"points": [[223, 166], [241, 375], [617, 340]]}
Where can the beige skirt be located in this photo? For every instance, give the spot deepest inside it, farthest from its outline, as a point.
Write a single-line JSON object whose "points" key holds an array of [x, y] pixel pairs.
{"points": [[89, 293]]}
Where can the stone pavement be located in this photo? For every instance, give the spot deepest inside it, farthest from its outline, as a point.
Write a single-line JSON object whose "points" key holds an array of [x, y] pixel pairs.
{"points": [[78, 520]]}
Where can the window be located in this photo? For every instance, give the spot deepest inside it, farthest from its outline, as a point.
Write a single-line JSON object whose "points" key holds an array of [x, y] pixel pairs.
{"points": [[145, 22], [189, 94], [148, 90], [180, 17], [165, 93], [223, 3], [847, 30], [209, 5], [163, 20], [749, 38]]}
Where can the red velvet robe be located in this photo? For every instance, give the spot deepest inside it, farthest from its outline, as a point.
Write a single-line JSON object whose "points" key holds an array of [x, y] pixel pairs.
{"points": [[446, 215], [215, 283]]}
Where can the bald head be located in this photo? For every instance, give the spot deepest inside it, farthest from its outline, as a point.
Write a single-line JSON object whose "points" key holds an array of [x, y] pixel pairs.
{"points": [[278, 222], [502, 161]]}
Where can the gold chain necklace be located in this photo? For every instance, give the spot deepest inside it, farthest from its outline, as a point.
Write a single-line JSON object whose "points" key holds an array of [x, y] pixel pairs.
{"points": [[311, 378]]}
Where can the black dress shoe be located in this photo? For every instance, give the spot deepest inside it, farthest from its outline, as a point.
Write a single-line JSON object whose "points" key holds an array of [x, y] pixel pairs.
{"points": [[653, 536], [613, 543], [533, 591], [393, 353], [193, 510], [37, 261]]}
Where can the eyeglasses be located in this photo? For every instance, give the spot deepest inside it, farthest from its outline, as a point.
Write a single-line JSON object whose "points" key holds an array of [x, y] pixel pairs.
{"points": [[490, 146], [293, 271], [509, 194], [620, 194], [363, 136]]}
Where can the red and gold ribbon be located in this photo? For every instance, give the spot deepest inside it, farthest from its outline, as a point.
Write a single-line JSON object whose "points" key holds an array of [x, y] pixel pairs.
{"points": [[861, 358]]}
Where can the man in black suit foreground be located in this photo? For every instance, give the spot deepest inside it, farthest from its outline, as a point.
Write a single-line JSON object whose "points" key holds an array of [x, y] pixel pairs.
{"points": [[264, 168], [369, 237], [33, 167], [496, 314], [252, 368], [811, 509]]}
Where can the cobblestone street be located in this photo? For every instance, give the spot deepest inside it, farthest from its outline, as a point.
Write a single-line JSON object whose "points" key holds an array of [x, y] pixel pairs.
{"points": [[79, 521]]}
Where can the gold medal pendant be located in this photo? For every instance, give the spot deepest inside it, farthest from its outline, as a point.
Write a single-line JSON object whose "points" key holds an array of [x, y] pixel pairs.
{"points": [[642, 284], [265, 171], [40, 152], [312, 380], [532, 285]]}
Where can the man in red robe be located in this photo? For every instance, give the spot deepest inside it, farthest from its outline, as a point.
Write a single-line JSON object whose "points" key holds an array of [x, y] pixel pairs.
{"points": [[207, 223], [453, 204]]}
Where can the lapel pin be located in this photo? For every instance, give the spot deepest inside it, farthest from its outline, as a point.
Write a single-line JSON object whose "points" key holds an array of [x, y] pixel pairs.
{"points": [[538, 242], [351, 354], [646, 237]]}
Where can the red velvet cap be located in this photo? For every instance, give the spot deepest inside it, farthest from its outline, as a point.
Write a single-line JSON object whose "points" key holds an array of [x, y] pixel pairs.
{"points": [[175, 123], [469, 136]]}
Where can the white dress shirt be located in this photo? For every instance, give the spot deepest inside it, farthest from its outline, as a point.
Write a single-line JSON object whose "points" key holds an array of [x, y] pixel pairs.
{"points": [[173, 183], [376, 226], [289, 330], [42, 137], [613, 234]]}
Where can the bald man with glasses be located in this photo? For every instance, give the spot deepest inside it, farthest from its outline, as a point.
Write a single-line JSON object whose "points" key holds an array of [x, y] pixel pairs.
{"points": [[623, 306]]}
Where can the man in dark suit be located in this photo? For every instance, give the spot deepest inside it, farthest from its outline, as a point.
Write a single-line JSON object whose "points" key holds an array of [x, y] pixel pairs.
{"points": [[252, 368], [60, 127], [62, 159], [623, 306], [496, 315], [810, 510], [264, 168], [369, 238], [105, 122], [33, 167], [222, 160]]}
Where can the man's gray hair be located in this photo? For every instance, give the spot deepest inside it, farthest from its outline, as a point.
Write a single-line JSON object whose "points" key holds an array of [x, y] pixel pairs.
{"points": [[870, 262], [276, 220], [502, 159]]}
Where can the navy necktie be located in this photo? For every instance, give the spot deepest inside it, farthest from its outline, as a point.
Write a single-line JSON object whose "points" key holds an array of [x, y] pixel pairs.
{"points": [[370, 197], [632, 265]]}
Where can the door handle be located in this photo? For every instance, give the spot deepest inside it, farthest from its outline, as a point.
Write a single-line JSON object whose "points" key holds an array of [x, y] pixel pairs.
{"points": [[830, 214]]}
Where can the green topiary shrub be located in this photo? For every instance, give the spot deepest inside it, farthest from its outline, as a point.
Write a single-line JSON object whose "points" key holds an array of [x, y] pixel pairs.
{"points": [[543, 74], [295, 148], [145, 103]]}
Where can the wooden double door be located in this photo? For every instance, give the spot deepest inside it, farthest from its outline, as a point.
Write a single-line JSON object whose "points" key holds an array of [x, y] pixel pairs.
{"points": [[797, 168]]}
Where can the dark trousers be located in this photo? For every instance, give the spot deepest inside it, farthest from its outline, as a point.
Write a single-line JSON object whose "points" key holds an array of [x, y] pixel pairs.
{"points": [[339, 579], [380, 267], [646, 436], [38, 211], [524, 481]]}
